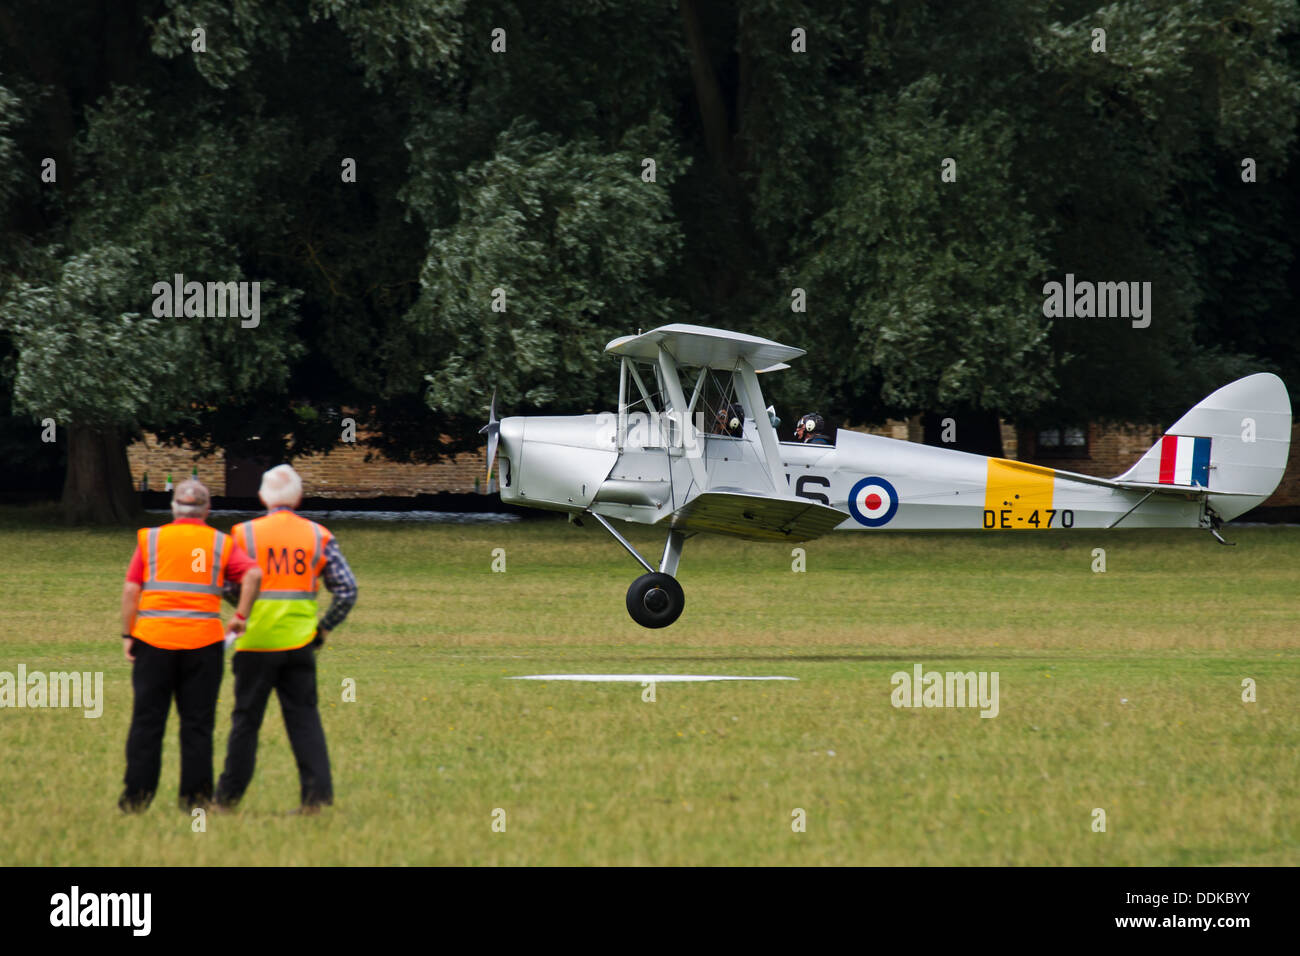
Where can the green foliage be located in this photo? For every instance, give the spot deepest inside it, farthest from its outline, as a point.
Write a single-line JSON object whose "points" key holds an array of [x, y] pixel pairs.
{"points": [[1143, 147], [159, 200], [68, 332], [521, 170], [930, 275], [414, 35], [575, 239], [9, 106]]}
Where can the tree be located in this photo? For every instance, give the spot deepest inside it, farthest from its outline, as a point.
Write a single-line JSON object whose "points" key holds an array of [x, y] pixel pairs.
{"points": [[795, 146], [930, 274], [556, 250], [93, 353], [1144, 145]]}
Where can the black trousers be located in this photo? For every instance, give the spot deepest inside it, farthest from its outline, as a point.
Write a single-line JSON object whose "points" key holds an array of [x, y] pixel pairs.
{"points": [[292, 675], [193, 678]]}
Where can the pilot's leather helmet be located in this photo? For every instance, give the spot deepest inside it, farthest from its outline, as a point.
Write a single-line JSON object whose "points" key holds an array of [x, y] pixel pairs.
{"points": [[733, 418], [810, 425]]}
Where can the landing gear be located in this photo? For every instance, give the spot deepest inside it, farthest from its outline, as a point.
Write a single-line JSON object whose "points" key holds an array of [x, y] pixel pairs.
{"points": [[1215, 524], [655, 599]]}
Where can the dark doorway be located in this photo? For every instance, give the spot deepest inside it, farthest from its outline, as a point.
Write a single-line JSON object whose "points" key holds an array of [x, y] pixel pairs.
{"points": [[244, 474], [979, 432]]}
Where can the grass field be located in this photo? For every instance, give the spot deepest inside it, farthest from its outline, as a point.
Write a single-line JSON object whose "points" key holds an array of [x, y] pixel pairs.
{"points": [[1120, 691]]}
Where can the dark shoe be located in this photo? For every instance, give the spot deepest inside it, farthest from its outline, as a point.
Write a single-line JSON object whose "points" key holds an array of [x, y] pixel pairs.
{"points": [[195, 800], [134, 803]]}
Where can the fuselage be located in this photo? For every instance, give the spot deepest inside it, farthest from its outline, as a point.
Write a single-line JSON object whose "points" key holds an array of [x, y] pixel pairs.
{"points": [[574, 464]]}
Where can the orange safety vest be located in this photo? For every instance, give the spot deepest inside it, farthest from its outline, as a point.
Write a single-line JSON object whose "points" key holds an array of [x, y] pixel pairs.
{"points": [[184, 572], [290, 550]]}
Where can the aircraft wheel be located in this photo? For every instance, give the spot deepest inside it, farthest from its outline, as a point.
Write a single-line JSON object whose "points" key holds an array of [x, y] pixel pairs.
{"points": [[655, 600]]}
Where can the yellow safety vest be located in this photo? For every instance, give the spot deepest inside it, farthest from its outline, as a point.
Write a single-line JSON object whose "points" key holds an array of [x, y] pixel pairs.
{"points": [[290, 550]]}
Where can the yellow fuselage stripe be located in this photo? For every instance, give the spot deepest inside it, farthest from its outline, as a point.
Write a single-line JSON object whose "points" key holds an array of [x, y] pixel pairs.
{"points": [[1014, 491]]}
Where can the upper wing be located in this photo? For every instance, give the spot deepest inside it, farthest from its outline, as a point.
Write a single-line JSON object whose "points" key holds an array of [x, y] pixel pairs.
{"points": [[756, 517], [696, 346]]}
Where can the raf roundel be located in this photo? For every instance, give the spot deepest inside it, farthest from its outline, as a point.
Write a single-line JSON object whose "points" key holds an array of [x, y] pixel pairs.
{"points": [[873, 502]]}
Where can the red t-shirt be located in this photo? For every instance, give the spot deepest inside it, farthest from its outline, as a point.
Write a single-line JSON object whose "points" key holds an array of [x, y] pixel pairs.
{"points": [[238, 564]]}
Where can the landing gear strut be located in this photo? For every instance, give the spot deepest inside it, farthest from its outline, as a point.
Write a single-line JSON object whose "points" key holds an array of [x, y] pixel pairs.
{"points": [[655, 599]]}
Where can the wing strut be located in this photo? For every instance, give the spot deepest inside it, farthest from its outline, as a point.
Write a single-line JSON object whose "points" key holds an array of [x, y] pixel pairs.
{"points": [[756, 410]]}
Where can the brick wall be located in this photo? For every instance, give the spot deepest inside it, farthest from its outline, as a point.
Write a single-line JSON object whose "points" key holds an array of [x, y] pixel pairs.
{"points": [[1111, 451], [1288, 492], [344, 473], [158, 461]]}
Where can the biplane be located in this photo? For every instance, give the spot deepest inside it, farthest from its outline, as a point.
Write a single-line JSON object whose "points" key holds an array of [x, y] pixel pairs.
{"points": [[693, 448]]}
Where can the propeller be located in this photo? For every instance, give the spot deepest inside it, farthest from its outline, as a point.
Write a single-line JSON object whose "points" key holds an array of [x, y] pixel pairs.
{"points": [[493, 431]]}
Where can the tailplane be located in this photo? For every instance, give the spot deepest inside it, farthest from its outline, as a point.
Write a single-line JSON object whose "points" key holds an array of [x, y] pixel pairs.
{"points": [[1235, 443]]}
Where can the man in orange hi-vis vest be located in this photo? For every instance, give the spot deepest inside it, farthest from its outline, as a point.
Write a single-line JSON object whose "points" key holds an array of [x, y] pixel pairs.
{"points": [[278, 650], [172, 635]]}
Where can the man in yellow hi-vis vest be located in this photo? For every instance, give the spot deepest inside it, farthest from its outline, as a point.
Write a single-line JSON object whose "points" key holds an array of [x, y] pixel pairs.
{"points": [[172, 634], [277, 651]]}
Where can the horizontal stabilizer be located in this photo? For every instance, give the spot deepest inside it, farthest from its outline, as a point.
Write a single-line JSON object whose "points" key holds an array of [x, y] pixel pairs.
{"points": [[756, 517], [1177, 489]]}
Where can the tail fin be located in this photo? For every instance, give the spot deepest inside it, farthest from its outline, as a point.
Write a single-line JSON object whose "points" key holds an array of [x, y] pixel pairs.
{"points": [[1235, 442]]}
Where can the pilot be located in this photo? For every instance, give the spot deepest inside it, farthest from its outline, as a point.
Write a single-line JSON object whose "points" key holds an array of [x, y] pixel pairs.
{"points": [[811, 430], [730, 421]]}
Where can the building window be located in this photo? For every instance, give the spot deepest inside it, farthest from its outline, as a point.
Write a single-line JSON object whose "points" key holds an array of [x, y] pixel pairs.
{"points": [[1068, 441]]}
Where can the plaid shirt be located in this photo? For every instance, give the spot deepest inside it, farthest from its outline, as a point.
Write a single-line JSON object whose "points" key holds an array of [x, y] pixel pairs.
{"points": [[338, 581]]}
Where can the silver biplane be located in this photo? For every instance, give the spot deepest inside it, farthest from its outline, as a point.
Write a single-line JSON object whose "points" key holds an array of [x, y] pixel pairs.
{"points": [[693, 448]]}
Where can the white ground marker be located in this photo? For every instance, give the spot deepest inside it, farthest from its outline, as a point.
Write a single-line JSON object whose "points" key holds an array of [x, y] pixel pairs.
{"points": [[641, 678]]}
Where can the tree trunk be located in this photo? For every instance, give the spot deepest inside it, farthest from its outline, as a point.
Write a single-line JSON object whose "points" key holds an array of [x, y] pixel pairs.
{"points": [[97, 489], [708, 95]]}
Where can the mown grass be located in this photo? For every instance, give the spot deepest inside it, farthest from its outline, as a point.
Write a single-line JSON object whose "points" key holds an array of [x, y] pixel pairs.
{"points": [[1120, 691]]}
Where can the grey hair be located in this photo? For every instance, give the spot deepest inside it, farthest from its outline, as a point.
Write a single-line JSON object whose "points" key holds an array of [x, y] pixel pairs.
{"points": [[281, 486], [190, 499]]}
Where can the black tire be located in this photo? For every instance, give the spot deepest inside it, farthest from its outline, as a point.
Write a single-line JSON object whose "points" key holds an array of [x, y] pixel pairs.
{"points": [[655, 600]]}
